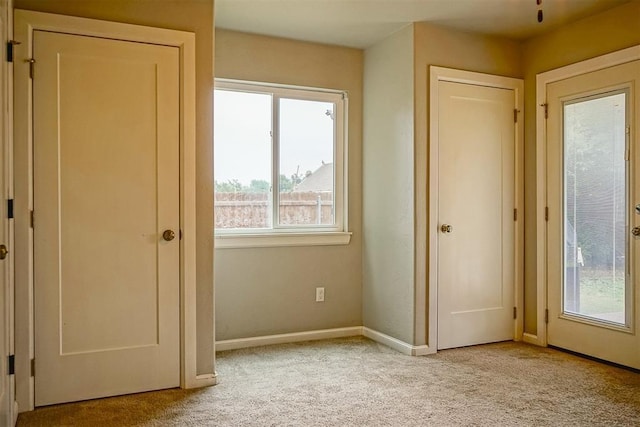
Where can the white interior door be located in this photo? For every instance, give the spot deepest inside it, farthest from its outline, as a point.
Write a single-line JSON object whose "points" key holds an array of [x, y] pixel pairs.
{"points": [[476, 201], [593, 190], [106, 187]]}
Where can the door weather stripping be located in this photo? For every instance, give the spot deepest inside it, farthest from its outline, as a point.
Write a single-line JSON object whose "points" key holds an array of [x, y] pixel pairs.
{"points": [[627, 153]]}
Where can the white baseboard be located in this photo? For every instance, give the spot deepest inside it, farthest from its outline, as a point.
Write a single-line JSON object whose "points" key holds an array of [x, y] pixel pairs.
{"points": [[396, 344], [323, 334], [205, 380], [531, 339], [288, 338], [389, 341]]}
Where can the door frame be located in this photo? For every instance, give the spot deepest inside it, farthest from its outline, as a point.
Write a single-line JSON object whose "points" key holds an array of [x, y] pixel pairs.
{"points": [[542, 80], [8, 288], [26, 22], [438, 74]]}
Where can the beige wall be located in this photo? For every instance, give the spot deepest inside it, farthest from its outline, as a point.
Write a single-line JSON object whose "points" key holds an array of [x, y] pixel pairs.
{"points": [[388, 187], [453, 49], [268, 291], [186, 15], [607, 32], [396, 78], [395, 254], [263, 291]]}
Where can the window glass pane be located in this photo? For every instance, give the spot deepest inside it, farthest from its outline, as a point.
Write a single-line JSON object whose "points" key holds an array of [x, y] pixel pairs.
{"points": [[306, 162], [242, 159], [595, 206]]}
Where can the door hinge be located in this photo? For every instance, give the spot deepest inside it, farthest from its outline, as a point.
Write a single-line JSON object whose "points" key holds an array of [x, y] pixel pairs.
{"points": [[546, 110], [12, 364], [33, 367], [10, 208], [31, 62], [515, 115], [32, 218], [515, 312], [10, 45], [515, 214], [546, 213], [546, 315]]}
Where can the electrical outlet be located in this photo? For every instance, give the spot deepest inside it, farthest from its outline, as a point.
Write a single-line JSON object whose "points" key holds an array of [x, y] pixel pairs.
{"points": [[319, 294]]}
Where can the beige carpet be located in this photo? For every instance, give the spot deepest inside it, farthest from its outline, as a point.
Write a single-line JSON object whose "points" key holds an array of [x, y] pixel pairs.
{"points": [[356, 382]]}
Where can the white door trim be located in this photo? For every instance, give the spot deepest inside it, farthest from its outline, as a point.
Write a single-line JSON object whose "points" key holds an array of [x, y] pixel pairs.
{"points": [[6, 147], [542, 80], [438, 74], [26, 22]]}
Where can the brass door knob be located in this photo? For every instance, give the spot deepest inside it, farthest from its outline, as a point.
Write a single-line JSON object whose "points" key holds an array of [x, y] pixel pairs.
{"points": [[635, 231], [446, 228], [168, 235], [3, 251]]}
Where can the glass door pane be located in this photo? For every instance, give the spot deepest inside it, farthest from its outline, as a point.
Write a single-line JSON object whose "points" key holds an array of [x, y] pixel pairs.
{"points": [[595, 208]]}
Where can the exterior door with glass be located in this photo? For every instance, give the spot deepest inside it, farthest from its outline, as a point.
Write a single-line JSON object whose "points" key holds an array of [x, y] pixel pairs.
{"points": [[593, 190]]}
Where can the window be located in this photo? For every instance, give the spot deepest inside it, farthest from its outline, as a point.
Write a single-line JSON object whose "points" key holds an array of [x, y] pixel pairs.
{"points": [[278, 165]]}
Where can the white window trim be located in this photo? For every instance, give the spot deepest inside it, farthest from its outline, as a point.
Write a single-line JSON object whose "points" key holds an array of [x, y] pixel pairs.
{"points": [[301, 235], [267, 240]]}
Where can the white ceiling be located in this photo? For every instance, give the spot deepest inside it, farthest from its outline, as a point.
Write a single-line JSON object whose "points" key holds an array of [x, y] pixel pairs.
{"points": [[363, 23]]}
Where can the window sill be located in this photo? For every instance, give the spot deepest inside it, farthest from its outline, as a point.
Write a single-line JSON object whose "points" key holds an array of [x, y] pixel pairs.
{"points": [[270, 240]]}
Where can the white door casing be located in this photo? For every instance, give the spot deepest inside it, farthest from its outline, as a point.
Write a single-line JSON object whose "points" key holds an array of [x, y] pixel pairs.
{"points": [[576, 322], [26, 23], [475, 187], [7, 386]]}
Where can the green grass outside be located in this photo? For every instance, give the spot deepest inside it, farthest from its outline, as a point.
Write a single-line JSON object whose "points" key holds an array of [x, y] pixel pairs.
{"points": [[600, 292]]}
